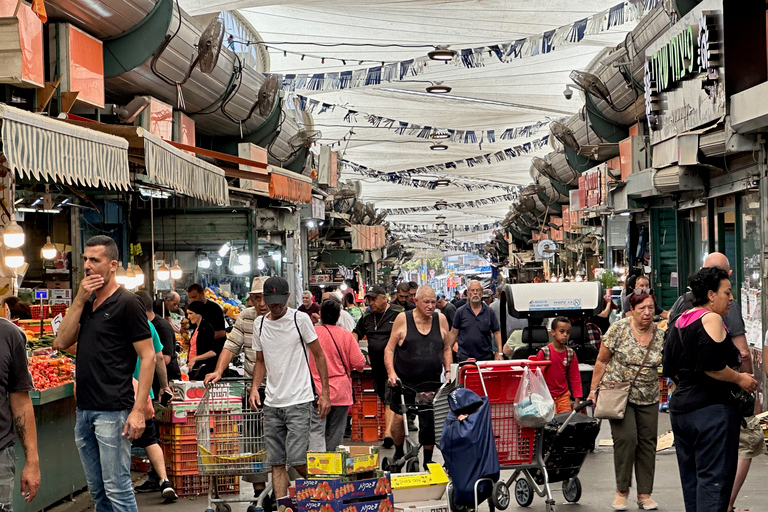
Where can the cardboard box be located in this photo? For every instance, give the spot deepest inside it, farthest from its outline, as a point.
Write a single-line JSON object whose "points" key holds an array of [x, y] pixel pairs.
{"points": [[176, 412], [344, 461], [195, 389], [64, 293], [384, 505], [422, 506], [429, 485], [337, 491], [57, 285]]}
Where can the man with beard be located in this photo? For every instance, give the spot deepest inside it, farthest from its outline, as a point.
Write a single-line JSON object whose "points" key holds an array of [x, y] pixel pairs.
{"points": [[417, 355], [376, 326], [403, 297], [110, 328], [475, 328]]}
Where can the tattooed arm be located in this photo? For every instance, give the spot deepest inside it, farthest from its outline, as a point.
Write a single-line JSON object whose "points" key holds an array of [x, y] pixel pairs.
{"points": [[24, 425]]}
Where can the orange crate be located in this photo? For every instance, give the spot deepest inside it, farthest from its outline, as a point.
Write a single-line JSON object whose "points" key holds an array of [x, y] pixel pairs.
{"points": [[663, 390], [180, 458], [370, 408], [370, 434], [197, 485]]}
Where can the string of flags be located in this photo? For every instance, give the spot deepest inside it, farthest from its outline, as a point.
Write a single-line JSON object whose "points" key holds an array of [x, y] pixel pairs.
{"points": [[423, 228], [313, 106], [429, 184], [539, 44], [476, 203], [448, 245]]}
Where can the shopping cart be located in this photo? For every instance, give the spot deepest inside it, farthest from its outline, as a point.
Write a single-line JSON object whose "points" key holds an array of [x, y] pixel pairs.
{"points": [[525, 450], [230, 439]]}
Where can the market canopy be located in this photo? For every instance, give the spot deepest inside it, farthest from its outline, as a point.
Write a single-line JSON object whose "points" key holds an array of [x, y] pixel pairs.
{"points": [[36, 146], [513, 62]]}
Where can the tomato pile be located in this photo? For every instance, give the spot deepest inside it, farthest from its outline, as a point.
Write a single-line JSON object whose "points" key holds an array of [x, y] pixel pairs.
{"points": [[49, 372]]}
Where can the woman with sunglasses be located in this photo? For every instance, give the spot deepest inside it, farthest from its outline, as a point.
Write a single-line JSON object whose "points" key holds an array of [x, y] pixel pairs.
{"points": [[631, 351]]}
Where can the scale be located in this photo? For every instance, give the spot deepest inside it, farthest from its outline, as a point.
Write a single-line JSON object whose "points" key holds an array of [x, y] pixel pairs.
{"points": [[546, 248], [42, 296]]}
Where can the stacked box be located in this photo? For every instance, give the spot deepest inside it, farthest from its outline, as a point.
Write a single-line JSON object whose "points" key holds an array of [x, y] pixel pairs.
{"points": [[367, 411], [338, 495], [197, 485], [351, 460]]}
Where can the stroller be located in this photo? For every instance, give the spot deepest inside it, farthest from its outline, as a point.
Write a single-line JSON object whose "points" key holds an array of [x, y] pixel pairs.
{"points": [[566, 440], [469, 449]]}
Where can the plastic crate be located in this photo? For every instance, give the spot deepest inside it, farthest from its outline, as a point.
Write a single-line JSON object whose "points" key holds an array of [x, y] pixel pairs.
{"points": [[174, 432], [50, 311], [197, 485], [180, 458], [514, 443]]}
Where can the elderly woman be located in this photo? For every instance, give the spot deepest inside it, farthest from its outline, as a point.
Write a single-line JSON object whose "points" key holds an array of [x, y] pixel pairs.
{"points": [[631, 351], [701, 357]]}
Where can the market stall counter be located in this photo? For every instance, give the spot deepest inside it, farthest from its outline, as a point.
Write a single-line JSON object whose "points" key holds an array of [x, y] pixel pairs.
{"points": [[60, 469]]}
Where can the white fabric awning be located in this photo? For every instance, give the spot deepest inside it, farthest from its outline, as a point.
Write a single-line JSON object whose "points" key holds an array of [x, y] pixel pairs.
{"points": [[182, 172], [36, 146]]}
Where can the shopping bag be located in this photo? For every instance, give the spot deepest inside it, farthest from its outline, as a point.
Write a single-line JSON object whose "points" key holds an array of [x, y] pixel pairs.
{"points": [[534, 406]]}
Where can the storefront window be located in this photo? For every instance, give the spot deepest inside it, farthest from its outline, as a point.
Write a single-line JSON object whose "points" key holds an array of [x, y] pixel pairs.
{"points": [[750, 294]]}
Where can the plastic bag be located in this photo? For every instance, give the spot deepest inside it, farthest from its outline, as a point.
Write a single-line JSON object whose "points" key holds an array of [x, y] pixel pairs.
{"points": [[534, 406]]}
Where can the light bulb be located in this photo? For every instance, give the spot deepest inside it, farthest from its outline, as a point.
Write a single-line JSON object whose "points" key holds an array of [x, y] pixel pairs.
{"points": [[260, 264], [204, 263], [310, 224], [276, 256], [130, 278], [120, 275], [163, 274], [218, 262], [49, 250], [343, 287], [244, 259], [224, 249], [13, 235], [176, 271], [14, 258], [139, 275]]}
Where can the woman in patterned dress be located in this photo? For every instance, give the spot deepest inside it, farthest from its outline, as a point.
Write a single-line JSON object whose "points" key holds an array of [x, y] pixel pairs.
{"points": [[634, 437]]}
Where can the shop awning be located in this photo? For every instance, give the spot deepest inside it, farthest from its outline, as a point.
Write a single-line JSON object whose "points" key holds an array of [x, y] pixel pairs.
{"points": [[36, 146], [168, 166], [289, 186]]}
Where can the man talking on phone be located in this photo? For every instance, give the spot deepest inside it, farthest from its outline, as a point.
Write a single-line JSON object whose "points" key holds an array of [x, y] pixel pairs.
{"points": [[110, 328]]}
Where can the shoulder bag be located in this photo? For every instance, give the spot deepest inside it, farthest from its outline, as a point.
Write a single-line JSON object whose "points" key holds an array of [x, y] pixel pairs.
{"points": [[306, 357], [612, 396]]}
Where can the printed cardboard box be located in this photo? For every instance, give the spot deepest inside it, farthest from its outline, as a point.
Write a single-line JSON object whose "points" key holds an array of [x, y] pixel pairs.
{"points": [[422, 506], [345, 461], [384, 505], [336, 490]]}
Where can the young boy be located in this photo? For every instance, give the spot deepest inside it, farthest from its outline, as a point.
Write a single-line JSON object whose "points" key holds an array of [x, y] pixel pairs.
{"points": [[564, 367]]}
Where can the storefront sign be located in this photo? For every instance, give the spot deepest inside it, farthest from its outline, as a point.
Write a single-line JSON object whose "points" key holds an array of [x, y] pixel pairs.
{"points": [[684, 74]]}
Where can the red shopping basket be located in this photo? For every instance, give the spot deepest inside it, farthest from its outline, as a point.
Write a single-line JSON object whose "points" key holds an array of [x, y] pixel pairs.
{"points": [[500, 380]]}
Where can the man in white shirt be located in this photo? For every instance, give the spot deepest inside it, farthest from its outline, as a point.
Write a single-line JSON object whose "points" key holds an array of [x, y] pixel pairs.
{"points": [[280, 340]]}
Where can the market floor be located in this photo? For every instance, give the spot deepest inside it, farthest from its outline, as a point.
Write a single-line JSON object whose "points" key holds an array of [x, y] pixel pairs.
{"points": [[596, 477]]}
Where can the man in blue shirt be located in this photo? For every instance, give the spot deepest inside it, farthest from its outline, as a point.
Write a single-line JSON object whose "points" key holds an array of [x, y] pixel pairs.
{"points": [[476, 328]]}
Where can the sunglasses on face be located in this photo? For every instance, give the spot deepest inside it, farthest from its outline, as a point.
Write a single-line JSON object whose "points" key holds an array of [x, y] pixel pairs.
{"points": [[639, 291]]}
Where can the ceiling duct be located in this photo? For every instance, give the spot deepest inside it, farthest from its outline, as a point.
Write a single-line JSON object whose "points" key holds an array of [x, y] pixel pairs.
{"points": [[545, 168]]}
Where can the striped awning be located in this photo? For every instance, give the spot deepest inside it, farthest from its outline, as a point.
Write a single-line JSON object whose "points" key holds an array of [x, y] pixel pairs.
{"points": [[38, 147], [289, 186], [182, 172]]}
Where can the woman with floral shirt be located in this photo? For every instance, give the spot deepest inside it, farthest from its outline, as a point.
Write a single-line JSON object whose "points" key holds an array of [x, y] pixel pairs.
{"points": [[634, 437]]}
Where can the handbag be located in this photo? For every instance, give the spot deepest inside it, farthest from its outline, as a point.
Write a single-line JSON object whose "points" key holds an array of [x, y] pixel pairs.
{"points": [[745, 402], [612, 396]]}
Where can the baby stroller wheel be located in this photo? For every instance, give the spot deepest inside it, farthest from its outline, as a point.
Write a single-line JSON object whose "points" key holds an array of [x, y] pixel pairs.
{"points": [[500, 497], [385, 463], [412, 466], [572, 493], [523, 493]]}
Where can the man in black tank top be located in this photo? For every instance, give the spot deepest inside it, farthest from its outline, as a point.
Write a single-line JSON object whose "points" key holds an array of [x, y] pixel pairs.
{"points": [[416, 357]]}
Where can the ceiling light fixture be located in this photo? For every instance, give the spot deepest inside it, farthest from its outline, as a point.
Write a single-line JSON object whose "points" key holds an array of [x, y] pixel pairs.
{"points": [[224, 249], [260, 264], [48, 251], [13, 235], [163, 274], [276, 256], [438, 147], [176, 271], [139, 275], [438, 88], [130, 278], [14, 258], [120, 275], [204, 262], [441, 53]]}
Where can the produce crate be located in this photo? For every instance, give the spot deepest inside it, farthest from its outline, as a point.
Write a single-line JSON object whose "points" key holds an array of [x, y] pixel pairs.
{"points": [[50, 311], [197, 485], [174, 432]]}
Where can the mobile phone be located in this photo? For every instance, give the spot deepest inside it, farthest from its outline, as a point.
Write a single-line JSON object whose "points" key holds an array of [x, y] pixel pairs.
{"points": [[165, 398]]}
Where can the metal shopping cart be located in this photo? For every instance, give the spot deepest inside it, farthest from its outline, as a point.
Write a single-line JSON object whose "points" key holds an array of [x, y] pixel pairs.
{"points": [[525, 450], [230, 440]]}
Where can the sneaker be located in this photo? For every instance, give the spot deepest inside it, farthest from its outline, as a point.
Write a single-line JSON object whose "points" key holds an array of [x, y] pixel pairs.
{"points": [[388, 443], [620, 501], [167, 492], [147, 486]]}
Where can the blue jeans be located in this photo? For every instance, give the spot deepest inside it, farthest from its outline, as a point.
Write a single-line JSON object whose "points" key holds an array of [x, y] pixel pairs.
{"points": [[7, 473], [106, 457]]}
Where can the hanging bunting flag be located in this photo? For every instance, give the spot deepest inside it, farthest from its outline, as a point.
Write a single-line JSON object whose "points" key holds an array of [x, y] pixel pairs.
{"points": [[477, 203]]}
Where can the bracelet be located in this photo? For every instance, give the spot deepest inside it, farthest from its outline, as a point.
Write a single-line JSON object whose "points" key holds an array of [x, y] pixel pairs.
{"points": [[446, 371]]}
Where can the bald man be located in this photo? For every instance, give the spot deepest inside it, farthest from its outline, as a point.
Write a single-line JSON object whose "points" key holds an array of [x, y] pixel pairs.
{"points": [[420, 341]]}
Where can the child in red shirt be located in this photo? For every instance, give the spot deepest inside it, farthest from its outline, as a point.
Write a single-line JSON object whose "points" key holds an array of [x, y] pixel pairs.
{"points": [[564, 367]]}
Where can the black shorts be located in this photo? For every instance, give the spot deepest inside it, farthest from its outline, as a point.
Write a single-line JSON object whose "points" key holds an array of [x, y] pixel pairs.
{"points": [[148, 437], [425, 411]]}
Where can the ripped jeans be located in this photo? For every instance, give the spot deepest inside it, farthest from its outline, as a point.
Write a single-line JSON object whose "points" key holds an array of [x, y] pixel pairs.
{"points": [[106, 457], [7, 473]]}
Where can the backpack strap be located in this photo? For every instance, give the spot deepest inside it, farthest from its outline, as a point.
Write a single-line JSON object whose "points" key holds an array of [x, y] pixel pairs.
{"points": [[569, 353]]}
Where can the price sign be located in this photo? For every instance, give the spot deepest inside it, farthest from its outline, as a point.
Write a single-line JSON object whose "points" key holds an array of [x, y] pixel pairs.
{"points": [[41, 294], [56, 322]]}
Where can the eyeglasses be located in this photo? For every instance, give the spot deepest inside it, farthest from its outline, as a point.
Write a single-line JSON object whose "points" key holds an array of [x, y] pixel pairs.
{"points": [[640, 291]]}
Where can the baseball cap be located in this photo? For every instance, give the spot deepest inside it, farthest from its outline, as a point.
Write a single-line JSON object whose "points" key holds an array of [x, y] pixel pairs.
{"points": [[276, 290], [257, 286], [486, 293], [374, 291]]}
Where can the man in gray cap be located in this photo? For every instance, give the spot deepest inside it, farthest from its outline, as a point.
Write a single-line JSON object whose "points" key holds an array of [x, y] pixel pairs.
{"points": [[376, 326], [282, 339]]}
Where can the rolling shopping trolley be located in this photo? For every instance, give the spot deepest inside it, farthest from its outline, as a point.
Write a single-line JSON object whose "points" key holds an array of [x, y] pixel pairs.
{"points": [[230, 441]]}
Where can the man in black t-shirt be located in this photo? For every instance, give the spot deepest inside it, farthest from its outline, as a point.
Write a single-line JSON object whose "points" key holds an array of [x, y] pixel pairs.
{"points": [[110, 328], [213, 313], [376, 326], [403, 297]]}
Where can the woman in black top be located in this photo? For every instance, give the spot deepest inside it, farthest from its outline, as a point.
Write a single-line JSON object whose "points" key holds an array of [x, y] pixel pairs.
{"points": [[701, 357], [204, 350]]}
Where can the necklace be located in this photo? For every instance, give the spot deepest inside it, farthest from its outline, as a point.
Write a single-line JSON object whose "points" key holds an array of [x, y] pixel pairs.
{"points": [[638, 333], [376, 322]]}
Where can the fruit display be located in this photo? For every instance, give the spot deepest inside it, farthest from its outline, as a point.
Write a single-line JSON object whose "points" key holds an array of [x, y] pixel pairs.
{"points": [[49, 372], [231, 307]]}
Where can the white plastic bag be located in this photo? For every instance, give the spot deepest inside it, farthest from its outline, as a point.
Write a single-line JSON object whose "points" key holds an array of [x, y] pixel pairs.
{"points": [[534, 406]]}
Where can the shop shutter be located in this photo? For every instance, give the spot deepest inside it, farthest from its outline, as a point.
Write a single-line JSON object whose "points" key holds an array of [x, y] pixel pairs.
{"points": [[664, 262]]}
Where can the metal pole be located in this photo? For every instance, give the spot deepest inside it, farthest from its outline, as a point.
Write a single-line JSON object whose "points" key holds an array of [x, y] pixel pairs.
{"points": [[151, 273], [764, 242]]}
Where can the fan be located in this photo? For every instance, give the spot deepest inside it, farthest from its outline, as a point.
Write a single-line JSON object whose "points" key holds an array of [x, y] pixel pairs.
{"points": [[304, 138], [590, 83], [564, 134], [545, 168], [209, 46], [267, 95]]}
